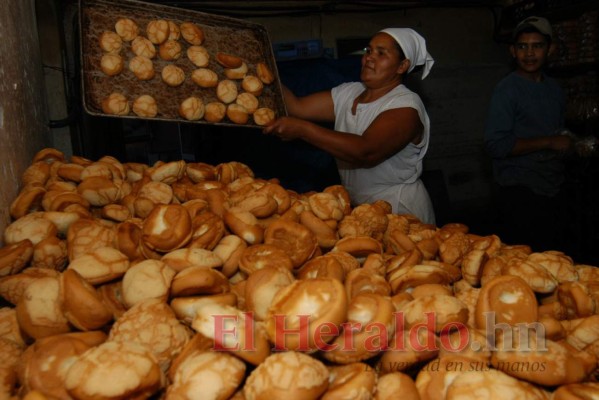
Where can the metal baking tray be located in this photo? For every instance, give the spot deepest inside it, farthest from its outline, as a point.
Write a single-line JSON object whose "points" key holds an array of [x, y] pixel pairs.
{"points": [[244, 39]]}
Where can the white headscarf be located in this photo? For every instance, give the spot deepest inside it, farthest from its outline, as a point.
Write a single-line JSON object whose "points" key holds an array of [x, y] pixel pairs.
{"points": [[414, 48]]}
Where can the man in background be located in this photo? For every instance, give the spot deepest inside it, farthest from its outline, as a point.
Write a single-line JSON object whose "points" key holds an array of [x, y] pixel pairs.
{"points": [[522, 135]]}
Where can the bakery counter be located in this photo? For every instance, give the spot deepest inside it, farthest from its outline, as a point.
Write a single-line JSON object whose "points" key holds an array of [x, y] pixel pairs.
{"points": [[192, 280]]}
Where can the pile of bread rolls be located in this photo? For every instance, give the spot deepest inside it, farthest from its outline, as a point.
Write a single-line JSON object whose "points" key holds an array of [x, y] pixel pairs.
{"points": [[184, 280], [225, 90]]}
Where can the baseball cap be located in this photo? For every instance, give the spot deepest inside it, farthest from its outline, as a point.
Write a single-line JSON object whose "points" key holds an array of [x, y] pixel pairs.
{"points": [[537, 23]]}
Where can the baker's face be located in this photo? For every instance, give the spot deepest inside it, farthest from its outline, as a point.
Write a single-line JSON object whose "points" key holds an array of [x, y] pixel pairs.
{"points": [[530, 51], [381, 63]]}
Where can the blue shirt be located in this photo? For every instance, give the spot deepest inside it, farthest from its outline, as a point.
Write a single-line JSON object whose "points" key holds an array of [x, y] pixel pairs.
{"points": [[522, 108]]}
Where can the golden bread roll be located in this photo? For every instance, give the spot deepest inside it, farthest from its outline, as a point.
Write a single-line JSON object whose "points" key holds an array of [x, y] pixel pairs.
{"points": [[356, 380], [264, 73], [99, 191], [408, 349], [247, 100], [31, 226], [216, 373], [86, 235], [204, 77], [288, 374], [229, 249], [127, 29], [143, 47], [312, 302], [236, 73], [44, 364], [112, 64], [100, 265], [192, 33], [228, 60], [215, 111], [12, 287], [185, 308], [9, 327], [110, 42], [226, 91], [261, 288], [252, 84], [170, 50], [263, 116], [488, 383], [174, 33], [157, 31], [197, 280], [198, 55], [145, 106], [389, 385], [168, 173], [505, 299], [192, 109], [434, 378], [167, 228], [243, 224], [115, 104], [81, 304], [251, 346], [153, 323], [366, 313], [173, 75], [148, 279], [323, 266], [50, 253], [181, 259], [39, 309], [261, 255], [14, 257], [450, 313], [358, 246], [130, 367], [295, 239], [142, 67], [237, 113]]}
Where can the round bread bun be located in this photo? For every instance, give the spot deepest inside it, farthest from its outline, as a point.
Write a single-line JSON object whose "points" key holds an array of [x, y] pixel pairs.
{"points": [[204, 77], [237, 113], [192, 109], [170, 50], [252, 84], [127, 29], [31, 226], [262, 286], [142, 67], [318, 301], [173, 75], [198, 55], [110, 42], [197, 280], [299, 242], [389, 385], [226, 91], [174, 33], [100, 265], [263, 116], [185, 308], [81, 304], [167, 227], [131, 369], [112, 64], [145, 106], [14, 257], [355, 380], [229, 249], [247, 100], [287, 375], [214, 374], [508, 299], [38, 310], [192, 33], [157, 31], [236, 73], [139, 324], [148, 279], [115, 104], [261, 255], [142, 46], [215, 111], [228, 60], [264, 73], [251, 346]]}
